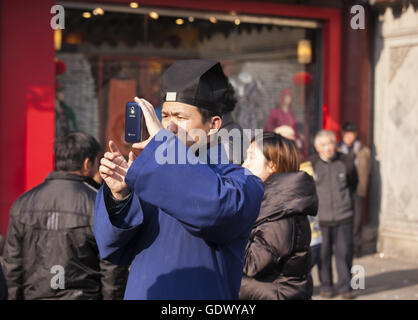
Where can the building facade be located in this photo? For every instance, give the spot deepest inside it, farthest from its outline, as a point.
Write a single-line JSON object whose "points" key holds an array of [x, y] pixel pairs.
{"points": [[258, 49], [393, 197]]}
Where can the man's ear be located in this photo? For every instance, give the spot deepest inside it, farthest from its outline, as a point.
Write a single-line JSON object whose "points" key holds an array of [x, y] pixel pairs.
{"points": [[215, 124], [87, 166]]}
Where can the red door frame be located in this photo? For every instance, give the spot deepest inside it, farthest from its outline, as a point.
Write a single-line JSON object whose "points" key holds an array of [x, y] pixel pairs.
{"points": [[27, 82], [26, 99]]}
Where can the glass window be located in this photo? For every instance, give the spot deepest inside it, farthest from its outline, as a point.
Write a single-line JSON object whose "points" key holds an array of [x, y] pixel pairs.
{"points": [[110, 58]]}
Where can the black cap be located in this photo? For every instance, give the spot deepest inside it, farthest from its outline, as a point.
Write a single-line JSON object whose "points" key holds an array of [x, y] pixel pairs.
{"points": [[200, 83], [349, 127]]}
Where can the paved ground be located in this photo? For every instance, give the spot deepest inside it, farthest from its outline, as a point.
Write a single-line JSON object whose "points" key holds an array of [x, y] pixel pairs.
{"points": [[386, 278]]}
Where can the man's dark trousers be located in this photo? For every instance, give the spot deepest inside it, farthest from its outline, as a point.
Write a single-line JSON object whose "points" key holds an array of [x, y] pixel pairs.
{"points": [[342, 237], [358, 222]]}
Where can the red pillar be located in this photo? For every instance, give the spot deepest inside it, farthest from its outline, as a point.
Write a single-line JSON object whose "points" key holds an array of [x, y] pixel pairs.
{"points": [[356, 74], [331, 72], [26, 98]]}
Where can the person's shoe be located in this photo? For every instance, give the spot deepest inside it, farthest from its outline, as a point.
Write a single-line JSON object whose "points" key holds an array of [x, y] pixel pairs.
{"points": [[347, 295], [326, 294]]}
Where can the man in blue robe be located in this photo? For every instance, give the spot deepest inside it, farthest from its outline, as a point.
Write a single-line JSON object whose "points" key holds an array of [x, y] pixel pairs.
{"points": [[181, 225]]}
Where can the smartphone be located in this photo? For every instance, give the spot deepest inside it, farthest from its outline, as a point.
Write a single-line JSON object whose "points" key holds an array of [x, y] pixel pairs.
{"points": [[135, 128]]}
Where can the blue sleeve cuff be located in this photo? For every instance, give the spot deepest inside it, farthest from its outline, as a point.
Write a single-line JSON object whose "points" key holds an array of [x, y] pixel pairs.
{"points": [[128, 214], [114, 233]]}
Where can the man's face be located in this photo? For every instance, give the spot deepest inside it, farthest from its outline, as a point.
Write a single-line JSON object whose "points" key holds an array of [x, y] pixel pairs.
{"points": [[184, 120], [349, 138], [325, 147]]}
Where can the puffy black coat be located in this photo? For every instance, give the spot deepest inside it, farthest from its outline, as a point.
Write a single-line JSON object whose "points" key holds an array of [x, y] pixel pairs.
{"points": [[278, 258], [52, 225]]}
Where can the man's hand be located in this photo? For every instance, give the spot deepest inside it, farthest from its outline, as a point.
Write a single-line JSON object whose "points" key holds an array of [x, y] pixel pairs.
{"points": [[151, 120], [113, 169]]}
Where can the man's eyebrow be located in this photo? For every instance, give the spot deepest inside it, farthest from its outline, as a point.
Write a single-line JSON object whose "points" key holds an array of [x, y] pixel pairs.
{"points": [[176, 113], [180, 113]]}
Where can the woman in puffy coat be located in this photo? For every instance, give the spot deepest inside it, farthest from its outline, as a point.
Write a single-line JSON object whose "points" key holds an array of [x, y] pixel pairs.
{"points": [[277, 258]]}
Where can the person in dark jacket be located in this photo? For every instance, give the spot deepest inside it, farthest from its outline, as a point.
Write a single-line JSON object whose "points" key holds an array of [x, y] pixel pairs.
{"points": [[277, 261], [50, 250], [336, 180], [361, 154]]}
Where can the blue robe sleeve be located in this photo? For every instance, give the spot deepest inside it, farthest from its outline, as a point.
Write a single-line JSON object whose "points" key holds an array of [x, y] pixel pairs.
{"points": [[216, 206], [115, 233]]}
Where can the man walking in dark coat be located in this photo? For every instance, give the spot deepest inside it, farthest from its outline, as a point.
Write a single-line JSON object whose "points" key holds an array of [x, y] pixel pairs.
{"points": [[50, 250], [180, 216], [336, 179], [361, 154]]}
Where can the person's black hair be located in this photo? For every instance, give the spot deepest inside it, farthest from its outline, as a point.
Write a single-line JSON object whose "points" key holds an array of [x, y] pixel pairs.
{"points": [[349, 127], [206, 114], [72, 149]]}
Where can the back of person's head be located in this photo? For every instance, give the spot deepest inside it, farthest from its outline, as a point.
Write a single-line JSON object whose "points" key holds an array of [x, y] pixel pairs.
{"points": [[72, 149], [286, 131], [282, 152], [349, 127]]}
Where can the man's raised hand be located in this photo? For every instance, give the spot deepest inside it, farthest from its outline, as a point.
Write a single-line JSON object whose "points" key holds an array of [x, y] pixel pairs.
{"points": [[151, 121], [113, 169]]}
